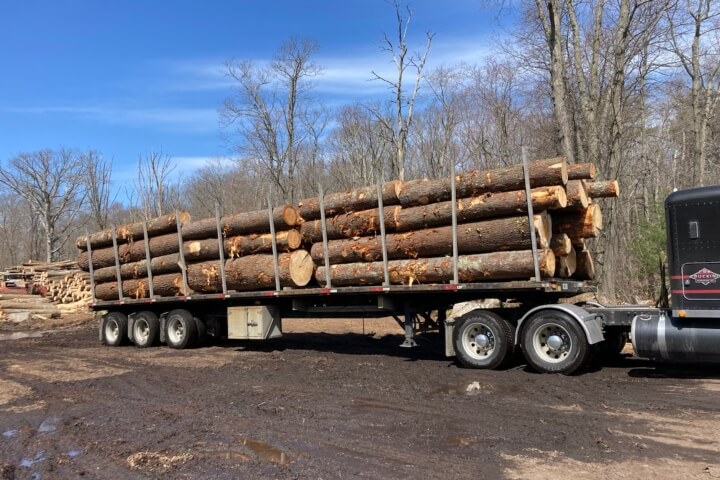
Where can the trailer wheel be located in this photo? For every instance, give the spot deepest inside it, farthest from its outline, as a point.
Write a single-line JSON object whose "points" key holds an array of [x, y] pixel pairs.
{"points": [[482, 339], [180, 329], [554, 343], [114, 329], [146, 329]]}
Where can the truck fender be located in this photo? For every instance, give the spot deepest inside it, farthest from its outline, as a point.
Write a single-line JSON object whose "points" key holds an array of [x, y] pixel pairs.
{"points": [[590, 323]]}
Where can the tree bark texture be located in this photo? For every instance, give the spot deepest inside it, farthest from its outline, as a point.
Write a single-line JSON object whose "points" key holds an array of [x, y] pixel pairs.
{"points": [[581, 171], [494, 235], [170, 285], [515, 265], [585, 223], [364, 198], [253, 272], [133, 231], [608, 189], [284, 217], [552, 171], [194, 250]]}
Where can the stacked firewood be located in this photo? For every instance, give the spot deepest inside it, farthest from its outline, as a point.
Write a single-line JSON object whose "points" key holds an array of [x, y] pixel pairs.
{"points": [[247, 246], [493, 233]]}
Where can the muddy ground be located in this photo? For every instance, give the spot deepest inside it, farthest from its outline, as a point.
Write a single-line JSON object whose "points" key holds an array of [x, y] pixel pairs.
{"points": [[345, 404]]}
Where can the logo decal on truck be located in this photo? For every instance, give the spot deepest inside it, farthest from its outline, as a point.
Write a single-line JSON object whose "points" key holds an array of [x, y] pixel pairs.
{"points": [[705, 276]]}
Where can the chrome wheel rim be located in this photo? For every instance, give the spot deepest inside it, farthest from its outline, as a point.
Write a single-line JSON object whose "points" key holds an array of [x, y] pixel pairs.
{"points": [[479, 341], [112, 331], [552, 343], [176, 331], [142, 332]]}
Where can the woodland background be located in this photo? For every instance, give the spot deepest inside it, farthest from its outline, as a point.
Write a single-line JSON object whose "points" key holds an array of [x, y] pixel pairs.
{"points": [[631, 85]]}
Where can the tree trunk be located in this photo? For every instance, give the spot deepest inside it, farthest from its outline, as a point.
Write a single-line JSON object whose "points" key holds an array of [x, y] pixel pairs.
{"points": [[194, 250], [560, 244], [585, 267], [576, 195], [138, 270], [566, 265], [493, 235], [349, 225], [608, 189], [552, 171], [585, 223], [485, 206], [253, 272], [581, 171], [515, 265], [163, 285], [284, 217], [133, 231], [364, 198]]}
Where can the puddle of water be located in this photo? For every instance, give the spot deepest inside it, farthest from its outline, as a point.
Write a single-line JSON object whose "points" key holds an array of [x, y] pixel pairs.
{"points": [[231, 455], [49, 425], [39, 457], [20, 335], [10, 433], [74, 453], [265, 452], [462, 441], [35, 476]]}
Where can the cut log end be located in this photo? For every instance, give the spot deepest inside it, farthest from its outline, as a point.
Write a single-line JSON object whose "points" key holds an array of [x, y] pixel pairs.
{"points": [[561, 244], [577, 195], [290, 215], [581, 171], [302, 267], [566, 265]]}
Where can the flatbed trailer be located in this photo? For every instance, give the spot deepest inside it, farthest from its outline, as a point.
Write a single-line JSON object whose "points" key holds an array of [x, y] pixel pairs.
{"points": [[554, 337]]}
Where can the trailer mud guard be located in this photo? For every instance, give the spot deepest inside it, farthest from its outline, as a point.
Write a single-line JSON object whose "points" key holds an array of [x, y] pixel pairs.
{"points": [[591, 324]]}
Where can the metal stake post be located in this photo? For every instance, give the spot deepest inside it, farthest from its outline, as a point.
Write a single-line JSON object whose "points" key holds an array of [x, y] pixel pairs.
{"points": [[328, 281], [453, 207], [90, 263], [148, 260], [531, 215], [276, 265], [117, 263], [221, 248], [383, 243], [183, 266]]}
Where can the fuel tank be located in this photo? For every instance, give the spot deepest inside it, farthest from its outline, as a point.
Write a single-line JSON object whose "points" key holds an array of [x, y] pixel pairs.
{"points": [[666, 338]]}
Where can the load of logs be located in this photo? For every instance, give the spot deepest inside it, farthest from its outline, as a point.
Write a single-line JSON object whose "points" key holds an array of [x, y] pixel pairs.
{"points": [[493, 237]]}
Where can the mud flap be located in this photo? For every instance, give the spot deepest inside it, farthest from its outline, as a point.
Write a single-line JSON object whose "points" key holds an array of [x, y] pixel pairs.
{"points": [[101, 329]]}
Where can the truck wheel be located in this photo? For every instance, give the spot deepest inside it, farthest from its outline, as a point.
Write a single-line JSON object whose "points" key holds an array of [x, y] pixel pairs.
{"points": [[146, 329], [114, 330], [612, 346], [482, 339], [554, 343], [180, 329]]}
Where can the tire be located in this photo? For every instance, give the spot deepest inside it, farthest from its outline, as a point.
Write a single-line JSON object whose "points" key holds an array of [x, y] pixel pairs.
{"points": [[483, 339], [612, 346], [180, 329], [553, 342], [201, 328], [146, 329], [115, 329]]}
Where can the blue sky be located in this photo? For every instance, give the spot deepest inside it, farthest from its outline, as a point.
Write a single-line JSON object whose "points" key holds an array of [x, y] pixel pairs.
{"points": [[133, 76]]}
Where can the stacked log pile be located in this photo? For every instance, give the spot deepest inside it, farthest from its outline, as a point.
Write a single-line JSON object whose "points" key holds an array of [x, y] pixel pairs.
{"points": [[493, 233], [19, 307], [247, 249]]}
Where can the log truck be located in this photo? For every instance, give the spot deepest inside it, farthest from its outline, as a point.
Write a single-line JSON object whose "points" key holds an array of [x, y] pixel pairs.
{"points": [[554, 337]]}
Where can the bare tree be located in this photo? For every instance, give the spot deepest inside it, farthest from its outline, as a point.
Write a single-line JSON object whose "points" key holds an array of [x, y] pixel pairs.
{"points": [[98, 184], [52, 182], [154, 190], [272, 112], [694, 28], [397, 130]]}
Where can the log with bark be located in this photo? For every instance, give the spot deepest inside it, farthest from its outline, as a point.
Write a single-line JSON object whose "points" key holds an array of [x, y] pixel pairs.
{"points": [[253, 272], [542, 173], [349, 225], [483, 267], [194, 250], [566, 265], [577, 198], [133, 231], [585, 223], [585, 266], [608, 189], [348, 201], [284, 217], [560, 244], [503, 234], [169, 285], [581, 171]]}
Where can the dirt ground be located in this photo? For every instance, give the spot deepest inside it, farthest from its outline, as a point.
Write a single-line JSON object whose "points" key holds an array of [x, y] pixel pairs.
{"points": [[346, 403]]}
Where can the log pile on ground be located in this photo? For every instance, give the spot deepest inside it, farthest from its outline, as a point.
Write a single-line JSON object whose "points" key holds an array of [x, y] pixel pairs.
{"points": [[62, 283], [247, 249], [493, 234], [19, 307]]}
